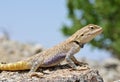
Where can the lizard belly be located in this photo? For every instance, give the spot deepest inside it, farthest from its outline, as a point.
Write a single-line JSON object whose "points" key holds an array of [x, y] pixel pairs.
{"points": [[52, 61]]}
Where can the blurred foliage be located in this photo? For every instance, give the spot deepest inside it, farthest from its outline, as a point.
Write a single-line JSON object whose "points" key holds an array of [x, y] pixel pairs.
{"points": [[105, 13]]}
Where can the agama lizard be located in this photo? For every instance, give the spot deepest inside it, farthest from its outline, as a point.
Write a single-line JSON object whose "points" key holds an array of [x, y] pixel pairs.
{"points": [[53, 56]]}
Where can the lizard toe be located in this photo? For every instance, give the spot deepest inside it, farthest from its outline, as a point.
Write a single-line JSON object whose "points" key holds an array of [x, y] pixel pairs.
{"points": [[35, 74]]}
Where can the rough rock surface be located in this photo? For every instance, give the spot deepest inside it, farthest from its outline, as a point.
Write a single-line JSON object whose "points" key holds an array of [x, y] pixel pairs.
{"points": [[109, 69], [54, 74]]}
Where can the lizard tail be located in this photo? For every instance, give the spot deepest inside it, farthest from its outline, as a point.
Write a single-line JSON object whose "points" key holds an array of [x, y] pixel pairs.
{"points": [[21, 65]]}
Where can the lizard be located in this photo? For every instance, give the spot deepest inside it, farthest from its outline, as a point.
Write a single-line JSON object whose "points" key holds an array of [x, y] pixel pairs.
{"points": [[58, 53]]}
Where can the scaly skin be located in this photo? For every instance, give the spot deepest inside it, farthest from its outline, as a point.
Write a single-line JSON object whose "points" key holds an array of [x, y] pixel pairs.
{"points": [[58, 53]]}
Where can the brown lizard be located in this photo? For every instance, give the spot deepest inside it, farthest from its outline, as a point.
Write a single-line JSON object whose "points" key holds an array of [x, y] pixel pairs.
{"points": [[53, 56]]}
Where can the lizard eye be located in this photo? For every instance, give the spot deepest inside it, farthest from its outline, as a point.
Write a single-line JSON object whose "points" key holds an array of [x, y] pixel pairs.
{"points": [[82, 34], [91, 27]]}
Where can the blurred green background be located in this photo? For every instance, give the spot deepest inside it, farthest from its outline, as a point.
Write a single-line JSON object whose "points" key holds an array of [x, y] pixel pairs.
{"points": [[105, 13]]}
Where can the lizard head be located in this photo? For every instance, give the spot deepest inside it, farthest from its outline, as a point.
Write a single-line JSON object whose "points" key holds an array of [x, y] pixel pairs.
{"points": [[87, 33]]}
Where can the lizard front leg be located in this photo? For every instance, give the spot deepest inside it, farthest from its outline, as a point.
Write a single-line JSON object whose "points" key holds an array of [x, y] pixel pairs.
{"points": [[71, 60], [69, 55]]}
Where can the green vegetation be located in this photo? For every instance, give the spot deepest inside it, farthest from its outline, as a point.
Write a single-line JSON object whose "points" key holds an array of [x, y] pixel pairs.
{"points": [[105, 13]]}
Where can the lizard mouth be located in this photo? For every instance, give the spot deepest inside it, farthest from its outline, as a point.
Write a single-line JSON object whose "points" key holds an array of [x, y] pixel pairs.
{"points": [[92, 34], [96, 32]]}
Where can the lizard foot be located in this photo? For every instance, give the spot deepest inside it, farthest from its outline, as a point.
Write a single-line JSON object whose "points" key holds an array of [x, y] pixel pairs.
{"points": [[35, 74], [82, 64], [83, 67], [80, 68]]}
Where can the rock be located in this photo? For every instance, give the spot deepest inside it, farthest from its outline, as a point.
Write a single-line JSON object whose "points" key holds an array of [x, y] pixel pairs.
{"points": [[12, 51], [117, 81], [111, 63], [109, 68], [56, 74]]}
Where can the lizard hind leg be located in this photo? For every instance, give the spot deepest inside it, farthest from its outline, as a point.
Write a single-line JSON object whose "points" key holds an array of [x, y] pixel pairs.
{"points": [[35, 65]]}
